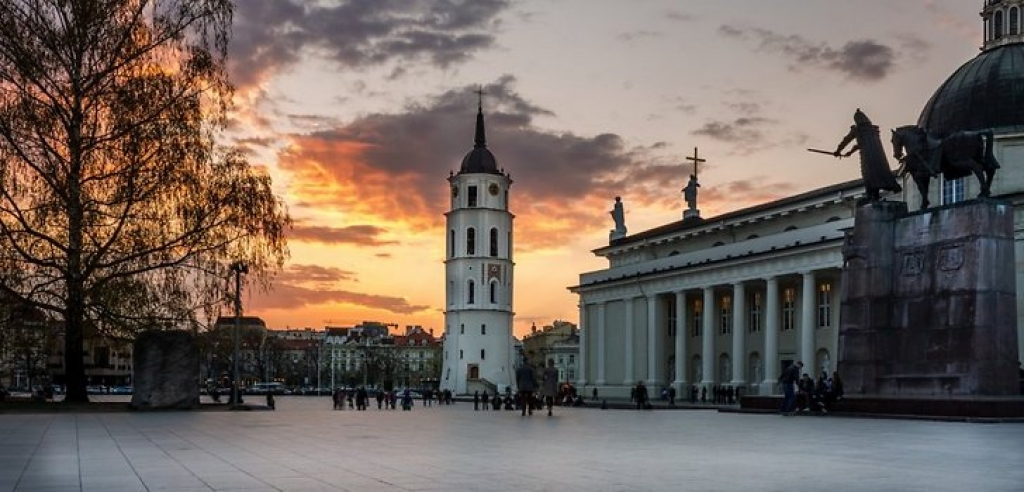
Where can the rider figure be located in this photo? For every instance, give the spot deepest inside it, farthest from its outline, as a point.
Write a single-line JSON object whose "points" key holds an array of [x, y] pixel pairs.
{"points": [[874, 167]]}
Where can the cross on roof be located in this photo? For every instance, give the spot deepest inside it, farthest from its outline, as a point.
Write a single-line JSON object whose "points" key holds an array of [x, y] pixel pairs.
{"points": [[696, 160], [480, 96]]}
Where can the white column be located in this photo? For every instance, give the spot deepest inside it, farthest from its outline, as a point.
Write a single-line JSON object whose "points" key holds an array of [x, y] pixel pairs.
{"points": [[627, 380], [581, 359], [771, 336], [807, 323], [739, 333], [652, 343], [708, 334], [601, 321], [680, 373]]}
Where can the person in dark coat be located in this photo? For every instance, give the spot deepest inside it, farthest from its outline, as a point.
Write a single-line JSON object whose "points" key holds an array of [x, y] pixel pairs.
{"points": [[788, 380], [641, 395], [526, 384], [549, 385]]}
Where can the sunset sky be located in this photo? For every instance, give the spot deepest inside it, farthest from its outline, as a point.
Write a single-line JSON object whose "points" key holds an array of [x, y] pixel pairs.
{"points": [[360, 109]]}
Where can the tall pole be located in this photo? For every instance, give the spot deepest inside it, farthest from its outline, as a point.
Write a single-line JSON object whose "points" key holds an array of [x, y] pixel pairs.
{"points": [[238, 268]]}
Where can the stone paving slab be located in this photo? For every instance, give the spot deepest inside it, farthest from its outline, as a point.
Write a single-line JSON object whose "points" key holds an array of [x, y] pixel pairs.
{"points": [[306, 446]]}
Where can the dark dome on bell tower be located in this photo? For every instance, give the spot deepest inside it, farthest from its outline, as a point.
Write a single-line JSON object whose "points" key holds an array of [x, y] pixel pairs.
{"points": [[480, 159], [987, 92]]}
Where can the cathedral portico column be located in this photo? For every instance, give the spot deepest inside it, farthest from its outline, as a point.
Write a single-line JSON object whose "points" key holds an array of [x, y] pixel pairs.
{"points": [[628, 343], [652, 342], [581, 380], [771, 336], [807, 324], [601, 321], [680, 369], [739, 333], [708, 334]]}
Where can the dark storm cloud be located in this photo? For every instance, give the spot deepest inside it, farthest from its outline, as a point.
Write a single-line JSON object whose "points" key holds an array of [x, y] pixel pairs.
{"points": [[358, 235], [743, 130], [271, 34], [400, 162], [864, 60]]}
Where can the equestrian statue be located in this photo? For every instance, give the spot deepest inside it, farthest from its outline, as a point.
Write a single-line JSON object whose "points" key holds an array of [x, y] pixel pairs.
{"points": [[925, 156]]}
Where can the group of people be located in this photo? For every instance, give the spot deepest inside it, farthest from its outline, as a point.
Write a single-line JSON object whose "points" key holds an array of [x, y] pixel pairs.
{"points": [[526, 383], [360, 399], [801, 394]]}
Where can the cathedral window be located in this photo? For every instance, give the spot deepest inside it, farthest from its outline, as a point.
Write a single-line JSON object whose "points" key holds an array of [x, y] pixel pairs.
{"points": [[471, 241], [472, 292], [1014, 21], [472, 196], [725, 319], [451, 244], [755, 312], [698, 319], [997, 24], [460, 354], [789, 309], [494, 292], [824, 305], [483, 355], [483, 329], [952, 191], [494, 241], [462, 329]]}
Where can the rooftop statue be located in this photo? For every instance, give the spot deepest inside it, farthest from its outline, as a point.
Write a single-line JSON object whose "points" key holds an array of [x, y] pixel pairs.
{"points": [[690, 192], [874, 167], [619, 217]]}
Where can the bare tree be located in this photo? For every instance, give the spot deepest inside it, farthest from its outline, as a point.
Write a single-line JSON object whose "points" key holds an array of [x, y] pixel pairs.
{"points": [[118, 210]]}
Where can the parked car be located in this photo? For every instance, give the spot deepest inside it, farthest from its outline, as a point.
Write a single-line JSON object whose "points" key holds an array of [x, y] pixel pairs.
{"points": [[122, 390], [264, 388]]}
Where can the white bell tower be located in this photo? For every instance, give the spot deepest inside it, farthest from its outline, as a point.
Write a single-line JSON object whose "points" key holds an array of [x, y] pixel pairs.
{"points": [[478, 274]]}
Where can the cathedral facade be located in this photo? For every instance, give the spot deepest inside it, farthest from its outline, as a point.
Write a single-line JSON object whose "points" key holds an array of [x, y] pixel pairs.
{"points": [[479, 275], [734, 299]]}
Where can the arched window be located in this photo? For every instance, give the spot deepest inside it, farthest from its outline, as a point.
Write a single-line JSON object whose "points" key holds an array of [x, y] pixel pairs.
{"points": [[451, 244], [483, 329], [462, 329], [472, 292], [1014, 21], [471, 241], [494, 241], [483, 354], [997, 24], [494, 292]]}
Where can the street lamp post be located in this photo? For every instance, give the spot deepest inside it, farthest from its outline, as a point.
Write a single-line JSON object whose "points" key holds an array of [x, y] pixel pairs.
{"points": [[238, 268]]}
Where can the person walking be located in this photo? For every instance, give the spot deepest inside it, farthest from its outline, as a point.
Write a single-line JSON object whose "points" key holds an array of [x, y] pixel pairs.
{"points": [[526, 383], [641, 396], [476, 400], [788, 379], [549, 385]]}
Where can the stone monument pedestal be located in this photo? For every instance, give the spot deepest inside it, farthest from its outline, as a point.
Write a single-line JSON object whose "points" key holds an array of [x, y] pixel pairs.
{"points": [[929, 302]]}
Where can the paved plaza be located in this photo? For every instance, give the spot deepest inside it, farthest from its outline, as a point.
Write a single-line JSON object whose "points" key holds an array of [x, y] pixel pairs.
{"points": [[305, 446]]}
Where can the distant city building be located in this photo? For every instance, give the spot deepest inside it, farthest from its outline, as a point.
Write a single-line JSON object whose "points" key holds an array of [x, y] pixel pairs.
{"points": [[558, 342], [479, 275]]}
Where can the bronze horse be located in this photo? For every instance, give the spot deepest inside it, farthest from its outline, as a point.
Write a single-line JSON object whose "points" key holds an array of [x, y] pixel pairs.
{"points": [[955, 156]]}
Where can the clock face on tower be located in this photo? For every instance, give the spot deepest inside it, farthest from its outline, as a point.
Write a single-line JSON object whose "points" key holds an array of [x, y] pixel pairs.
{"points": [[493, 189]]}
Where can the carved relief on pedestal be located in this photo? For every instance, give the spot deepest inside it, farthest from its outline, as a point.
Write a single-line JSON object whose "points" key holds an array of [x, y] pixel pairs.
{"points": [[913, 263], [951, 258]]}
